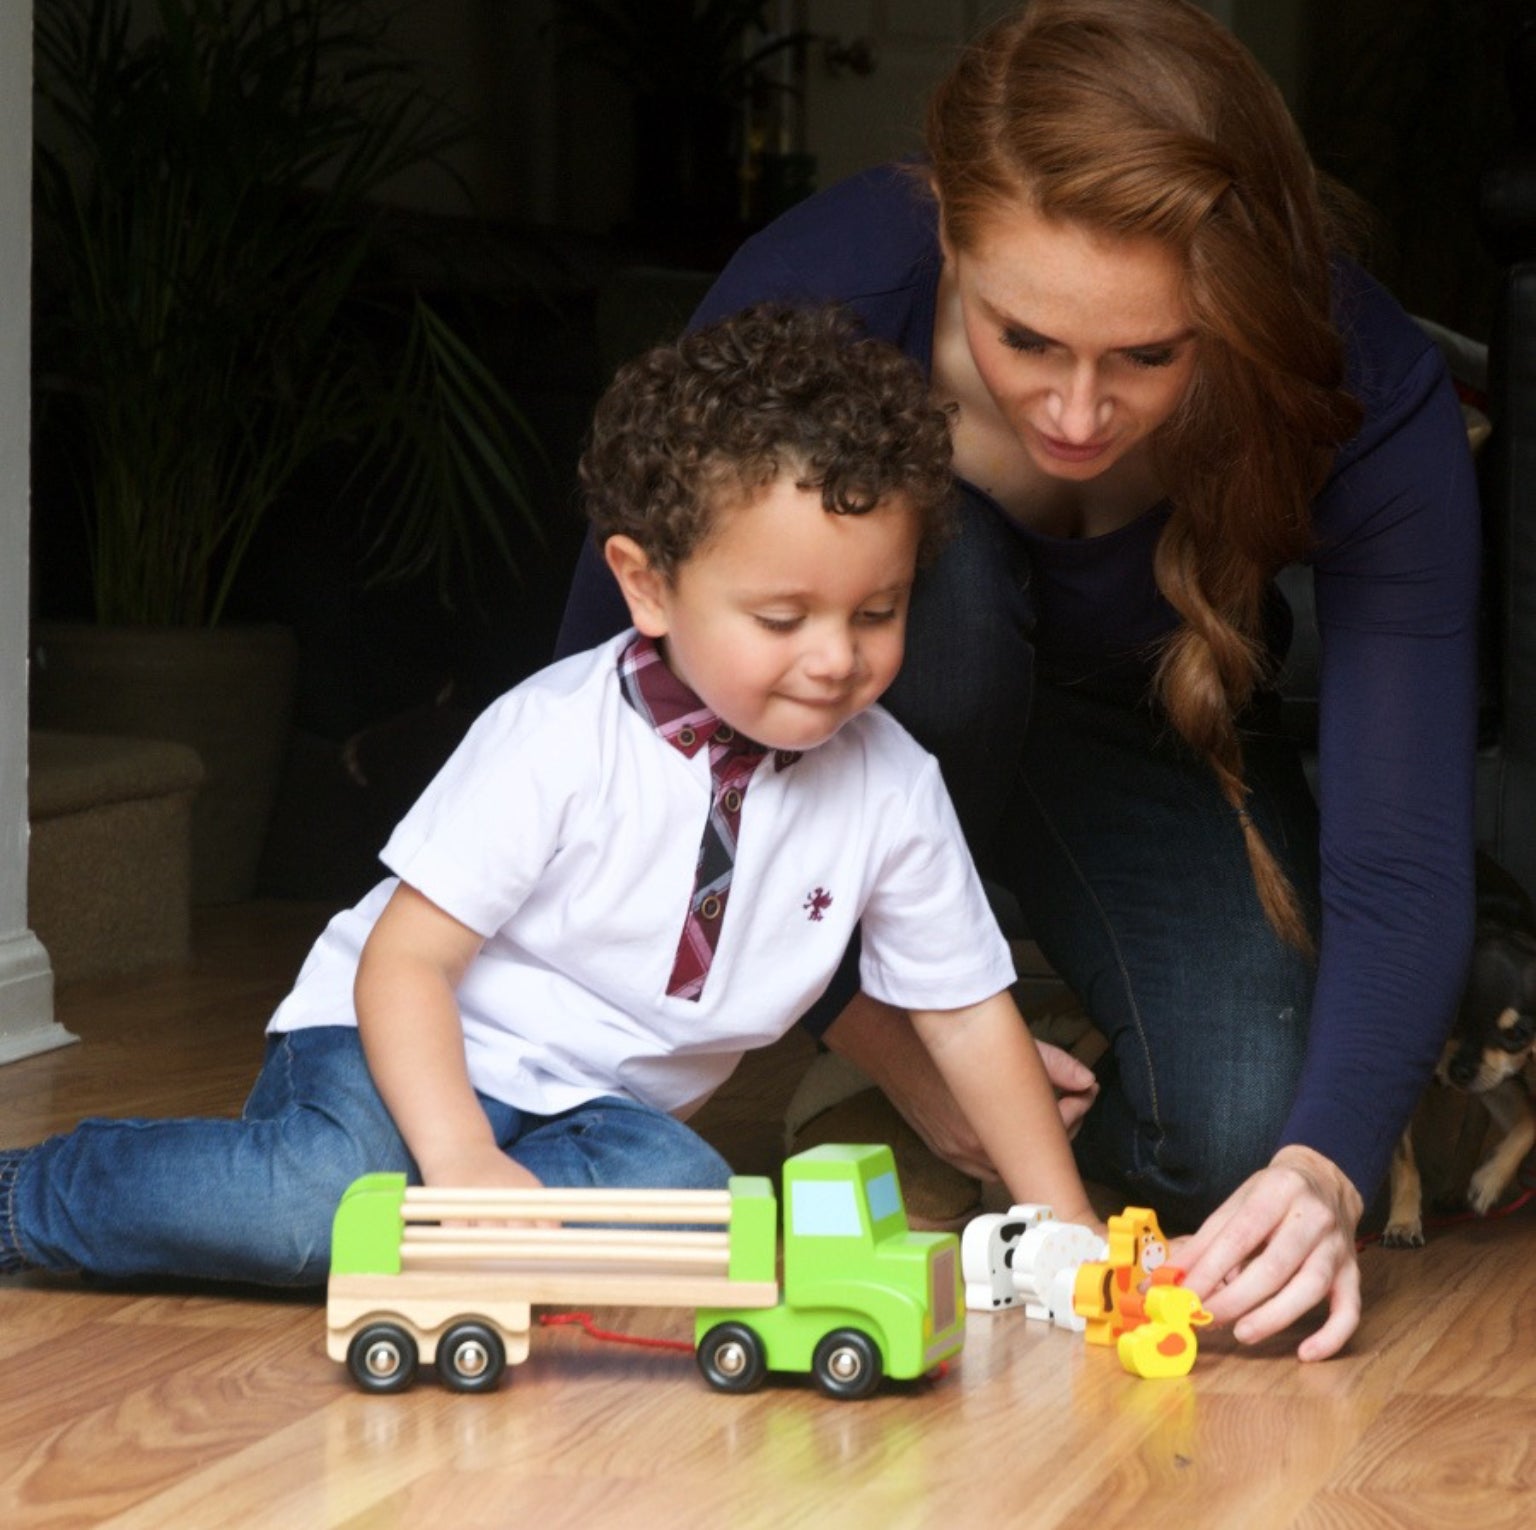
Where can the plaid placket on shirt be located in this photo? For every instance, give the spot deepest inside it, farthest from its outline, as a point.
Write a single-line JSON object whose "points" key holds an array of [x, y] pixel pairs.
{"points": [[680, 718]]}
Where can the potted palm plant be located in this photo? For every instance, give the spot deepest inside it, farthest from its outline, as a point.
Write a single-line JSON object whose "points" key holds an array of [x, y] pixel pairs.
{"points": [[208, 219]]}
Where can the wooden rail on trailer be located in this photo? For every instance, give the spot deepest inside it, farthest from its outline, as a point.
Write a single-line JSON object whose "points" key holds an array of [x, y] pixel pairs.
{"points": [[492, 1229], [664, 1207]]}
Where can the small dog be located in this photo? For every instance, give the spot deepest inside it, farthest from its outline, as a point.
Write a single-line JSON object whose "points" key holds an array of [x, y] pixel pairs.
{"points": [[1490, 1052]]}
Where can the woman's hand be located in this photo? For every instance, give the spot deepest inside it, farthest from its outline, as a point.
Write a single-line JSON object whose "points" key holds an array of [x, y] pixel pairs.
{"points": [[1074, 1082], [1280, 1244]]}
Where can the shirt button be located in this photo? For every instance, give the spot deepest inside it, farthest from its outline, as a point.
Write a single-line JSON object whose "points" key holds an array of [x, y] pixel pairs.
{"points": [[710, 908], [733, 801], [687, 737], [724, 734]]}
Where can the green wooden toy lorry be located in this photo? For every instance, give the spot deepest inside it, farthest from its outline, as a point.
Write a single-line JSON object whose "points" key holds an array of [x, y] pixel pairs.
{"points": [[450, 1277]]}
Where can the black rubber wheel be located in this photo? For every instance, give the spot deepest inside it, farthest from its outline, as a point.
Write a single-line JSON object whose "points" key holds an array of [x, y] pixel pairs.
{"points": [[732, 1359], [847, 1364], [382, 1358], [471, 1357]]}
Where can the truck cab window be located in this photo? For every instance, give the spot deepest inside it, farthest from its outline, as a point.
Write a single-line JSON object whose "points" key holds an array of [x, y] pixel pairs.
{"points": [[823, 1209]]}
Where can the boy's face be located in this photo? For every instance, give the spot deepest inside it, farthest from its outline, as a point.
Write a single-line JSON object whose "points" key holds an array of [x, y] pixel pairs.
{"points": [[787, 620]]}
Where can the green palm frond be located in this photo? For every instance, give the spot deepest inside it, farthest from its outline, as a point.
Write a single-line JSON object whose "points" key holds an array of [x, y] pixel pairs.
{"points": [[207, 192]]}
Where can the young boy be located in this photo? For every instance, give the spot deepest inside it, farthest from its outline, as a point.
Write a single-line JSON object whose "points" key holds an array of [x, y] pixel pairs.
{"points": [[640, 862]]}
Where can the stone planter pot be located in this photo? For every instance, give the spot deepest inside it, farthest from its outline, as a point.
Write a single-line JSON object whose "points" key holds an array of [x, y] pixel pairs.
{"points": [[225, 691]]}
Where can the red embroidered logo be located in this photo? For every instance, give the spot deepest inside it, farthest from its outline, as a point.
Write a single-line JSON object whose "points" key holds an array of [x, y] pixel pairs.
{"points": [[818, 903]]}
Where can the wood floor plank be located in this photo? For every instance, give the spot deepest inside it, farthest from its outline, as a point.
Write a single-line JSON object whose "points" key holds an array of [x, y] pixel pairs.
{"points": [[1471, 1297], [1449, 1460], [182, 1408], [158, 1402]]}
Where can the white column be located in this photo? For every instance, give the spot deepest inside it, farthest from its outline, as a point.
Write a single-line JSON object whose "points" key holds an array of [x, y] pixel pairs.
{"points": [[26, 980]]}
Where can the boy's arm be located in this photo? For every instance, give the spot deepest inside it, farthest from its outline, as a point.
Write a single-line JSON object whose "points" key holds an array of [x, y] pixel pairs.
{"points": [[408, 1020], [882, 1042], [992, 1066]]}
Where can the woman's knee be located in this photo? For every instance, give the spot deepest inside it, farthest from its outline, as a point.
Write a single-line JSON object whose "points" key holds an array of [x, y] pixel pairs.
{"points": [[1204, 1159], [1184, 1127]]}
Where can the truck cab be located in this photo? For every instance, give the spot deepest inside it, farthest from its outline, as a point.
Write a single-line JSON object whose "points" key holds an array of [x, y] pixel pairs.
{"points": [[863, 1296]]}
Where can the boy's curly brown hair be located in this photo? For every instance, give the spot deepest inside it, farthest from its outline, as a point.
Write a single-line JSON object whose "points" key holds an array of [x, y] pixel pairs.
{"points": [[724, 410]]}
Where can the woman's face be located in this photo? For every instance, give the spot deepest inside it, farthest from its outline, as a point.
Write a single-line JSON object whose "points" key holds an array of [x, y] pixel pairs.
{"points": [[1082, 339]]}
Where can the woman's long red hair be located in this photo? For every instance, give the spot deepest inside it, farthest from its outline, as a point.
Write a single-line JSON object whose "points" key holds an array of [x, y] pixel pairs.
{"points": [[1146, 118]]}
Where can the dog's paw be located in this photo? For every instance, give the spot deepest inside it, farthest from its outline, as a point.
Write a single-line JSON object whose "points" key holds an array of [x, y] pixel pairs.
{"points": [[1403, 1234], [1486, 1189]]}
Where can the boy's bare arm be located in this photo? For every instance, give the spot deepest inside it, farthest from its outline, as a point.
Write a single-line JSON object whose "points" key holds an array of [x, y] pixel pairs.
{"points": [[992, 1066], [412, 1036], [882, 1042]]}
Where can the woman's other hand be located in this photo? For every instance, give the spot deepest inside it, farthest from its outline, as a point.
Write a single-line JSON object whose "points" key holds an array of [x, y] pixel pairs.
{"points": [[881, 1041]]}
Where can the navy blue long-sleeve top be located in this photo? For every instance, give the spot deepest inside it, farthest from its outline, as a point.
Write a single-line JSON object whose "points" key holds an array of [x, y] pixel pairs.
{"points": [[1396, 569]]}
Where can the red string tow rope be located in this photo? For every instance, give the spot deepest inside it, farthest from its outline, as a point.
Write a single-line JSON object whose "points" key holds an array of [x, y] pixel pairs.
{"points": [[583, 1320]]}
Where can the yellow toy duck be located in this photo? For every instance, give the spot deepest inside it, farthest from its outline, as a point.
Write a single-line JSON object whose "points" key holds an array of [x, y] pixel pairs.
{"points": [[1164, 1345]]}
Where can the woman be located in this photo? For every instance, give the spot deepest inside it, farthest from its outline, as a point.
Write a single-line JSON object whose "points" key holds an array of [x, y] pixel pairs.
{"points": [[1116, 265]]}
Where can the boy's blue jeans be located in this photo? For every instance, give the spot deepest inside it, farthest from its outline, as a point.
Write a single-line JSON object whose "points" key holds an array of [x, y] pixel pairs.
{"points": [[252, 1199]]}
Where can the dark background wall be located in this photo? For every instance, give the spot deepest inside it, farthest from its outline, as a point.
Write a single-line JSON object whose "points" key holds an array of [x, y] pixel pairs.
{"points": [[551, 263]]}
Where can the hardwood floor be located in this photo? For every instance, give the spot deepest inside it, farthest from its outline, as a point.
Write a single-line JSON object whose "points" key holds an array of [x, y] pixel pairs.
{"points": [[179, 1408]]}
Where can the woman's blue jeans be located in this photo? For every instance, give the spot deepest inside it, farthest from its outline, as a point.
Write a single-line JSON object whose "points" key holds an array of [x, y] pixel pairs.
{"points": [[1132, 875], [1084, 807], [252, 1199]]}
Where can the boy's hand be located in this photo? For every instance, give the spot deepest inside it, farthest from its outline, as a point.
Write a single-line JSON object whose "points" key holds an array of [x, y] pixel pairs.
{"points": [[481, 1167]]}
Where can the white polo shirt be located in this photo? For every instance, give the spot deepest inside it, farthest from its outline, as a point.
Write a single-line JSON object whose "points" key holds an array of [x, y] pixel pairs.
{"points": [[566, 832]]}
